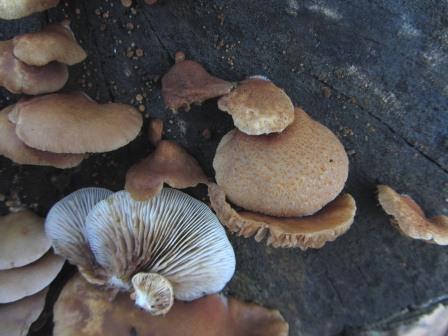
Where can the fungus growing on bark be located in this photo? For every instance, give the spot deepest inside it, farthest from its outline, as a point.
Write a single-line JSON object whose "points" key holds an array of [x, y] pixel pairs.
{"points": [[16, 9], [155, 131]]}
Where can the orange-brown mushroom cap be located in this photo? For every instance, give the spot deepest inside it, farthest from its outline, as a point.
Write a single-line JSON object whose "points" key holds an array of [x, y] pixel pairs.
{"points": [[55, 42], [303, 232], [187, 82], [170, 164], [74, 123], [410, 218], [16, 9], [84, 310], [258, 106], [14, 149], [18, 77]]}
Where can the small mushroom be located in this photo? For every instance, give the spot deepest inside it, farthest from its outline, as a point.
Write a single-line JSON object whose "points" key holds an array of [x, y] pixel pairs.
{"points": [[55, 42], [85, 310], [16, 9], [258, 106], [410, 219], [303, 232], [155, 131], [17, 317], [17, 283], [14, 149], [18, 77], [187, 82], [74, 123], [22, 239], [169, 164]]}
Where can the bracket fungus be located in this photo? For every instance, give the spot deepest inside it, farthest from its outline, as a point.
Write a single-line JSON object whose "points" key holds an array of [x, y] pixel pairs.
{"points": [[74, 123], [410, 219], [187, 82], [258, 106], [84, 310], [22, 239], [16, 9], [55, 42], [14, 149], [174, 237], [294, 173], [170, 164]]}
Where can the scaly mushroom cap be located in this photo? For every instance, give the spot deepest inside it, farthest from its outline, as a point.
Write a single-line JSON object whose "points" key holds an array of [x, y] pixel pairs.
{"points": [[305, 232], [14, 149], [85, 310], [17, 283], [173, 235], [258, 106], [169, 164], [153, 292], [291, 174], [17, 317], [410, 218], [187, 82], [74, 123], [16, 9], [22, 239], [55, 42], [18, 77]]}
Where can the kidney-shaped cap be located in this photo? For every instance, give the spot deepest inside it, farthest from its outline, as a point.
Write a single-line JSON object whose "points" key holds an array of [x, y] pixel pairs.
{"points": [[16, 9]]}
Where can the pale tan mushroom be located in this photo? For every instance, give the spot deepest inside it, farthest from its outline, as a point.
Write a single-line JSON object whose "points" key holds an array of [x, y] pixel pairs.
{"points": [[410, 219], [153, 292], [18, 77], [74, 123], [16, 9], [155, 131], [170, 164], [14, 149], [55, 42], [83, 310], [17, 283], [187, 82], [22, 239], [17, 317], [258, 106]]}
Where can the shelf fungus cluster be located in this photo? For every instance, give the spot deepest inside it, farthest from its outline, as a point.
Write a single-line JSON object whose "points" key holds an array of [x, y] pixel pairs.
{"points": [[169, 247], [16, 9], [410, 219], [36, 63], [27, 267]]}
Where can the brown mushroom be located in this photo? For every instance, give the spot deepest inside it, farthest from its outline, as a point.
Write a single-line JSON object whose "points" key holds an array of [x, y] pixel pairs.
{"points": [[169, 164], [304, 232], [18, 77], [17, 317], [155, 131], [74, 123], [22, 239], [84, 310], [410, 219], [55, 42], [16, 9], [258, 106], [187, 82], [14, 149]]}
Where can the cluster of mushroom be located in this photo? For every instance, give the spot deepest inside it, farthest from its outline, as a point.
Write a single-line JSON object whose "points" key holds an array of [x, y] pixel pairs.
{"points": [[170, 246], [27, 268], [283, 168]]}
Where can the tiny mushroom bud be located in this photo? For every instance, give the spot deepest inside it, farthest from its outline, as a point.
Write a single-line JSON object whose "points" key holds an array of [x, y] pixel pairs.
{"points": [[258, 107], [153, 292], [169, 164], [16, 9], [155, 131], [55, 42], [74, 123], [187, 82], [410, 219]]}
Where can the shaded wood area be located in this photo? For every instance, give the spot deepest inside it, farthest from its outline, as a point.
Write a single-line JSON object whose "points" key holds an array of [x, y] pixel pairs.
{"points": [[373, 71]]}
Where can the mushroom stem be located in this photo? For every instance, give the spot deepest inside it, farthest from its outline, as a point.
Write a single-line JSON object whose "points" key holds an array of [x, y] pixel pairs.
{"points": [[153, 292]]}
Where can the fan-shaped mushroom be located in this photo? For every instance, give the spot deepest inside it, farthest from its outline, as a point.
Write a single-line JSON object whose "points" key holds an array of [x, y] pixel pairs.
{"points": [[16, 9], [410, 219], [74, 123], [84, 310], [258, 106]]}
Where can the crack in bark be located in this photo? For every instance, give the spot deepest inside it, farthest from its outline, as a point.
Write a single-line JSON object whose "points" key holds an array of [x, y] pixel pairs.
{"points": [[159, 39]]}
